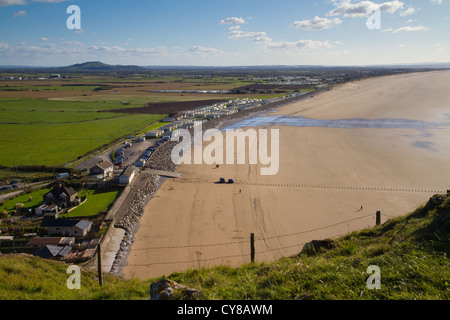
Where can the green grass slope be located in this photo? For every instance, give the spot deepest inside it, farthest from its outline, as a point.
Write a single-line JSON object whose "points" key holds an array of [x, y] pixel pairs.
{"points": [[411, 252]]}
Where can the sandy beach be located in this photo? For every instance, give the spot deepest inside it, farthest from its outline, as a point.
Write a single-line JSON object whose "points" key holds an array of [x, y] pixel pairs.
{"points": [[326, 175]]}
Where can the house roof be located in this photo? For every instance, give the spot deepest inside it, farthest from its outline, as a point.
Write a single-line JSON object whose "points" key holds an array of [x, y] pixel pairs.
{"points": [[56, 192], [83, 224], [42, 241], [104, 165], [64, 251], [129, 171], [58, 223], [45, 241], [48, 251], [51, 251], [66, 223]]}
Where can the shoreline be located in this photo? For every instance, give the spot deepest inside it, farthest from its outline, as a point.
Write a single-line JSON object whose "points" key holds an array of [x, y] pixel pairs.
{"points": [[132, 226], [326, 175], [121, 258], [259, 206]]}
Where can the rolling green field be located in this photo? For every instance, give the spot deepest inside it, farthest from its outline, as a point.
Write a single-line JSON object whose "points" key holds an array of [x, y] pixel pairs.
{"points": [[38, 131]]}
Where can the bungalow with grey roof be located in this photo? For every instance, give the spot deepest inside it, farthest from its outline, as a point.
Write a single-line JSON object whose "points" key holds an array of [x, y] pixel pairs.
{"points": [[52, 252], [128, 175], [66, 227]]}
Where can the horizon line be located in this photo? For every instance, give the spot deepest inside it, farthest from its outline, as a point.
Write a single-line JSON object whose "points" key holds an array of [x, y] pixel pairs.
{"points": [[236, 66]]}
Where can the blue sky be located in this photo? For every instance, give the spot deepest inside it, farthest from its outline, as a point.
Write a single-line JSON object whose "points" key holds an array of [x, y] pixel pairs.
{"points": [[225, 33]]}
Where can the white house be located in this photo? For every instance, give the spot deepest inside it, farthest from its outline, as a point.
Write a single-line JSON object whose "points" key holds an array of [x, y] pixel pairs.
{"points": [[103, 168], [128, 175]]}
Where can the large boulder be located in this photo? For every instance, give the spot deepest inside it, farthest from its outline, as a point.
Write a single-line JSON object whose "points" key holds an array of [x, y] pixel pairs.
{"points": [[171, 290], [316, 245]]}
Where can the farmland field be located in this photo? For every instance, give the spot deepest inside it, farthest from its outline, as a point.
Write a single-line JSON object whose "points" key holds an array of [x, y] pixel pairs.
{"points": [[38, 131], [54, 122]]}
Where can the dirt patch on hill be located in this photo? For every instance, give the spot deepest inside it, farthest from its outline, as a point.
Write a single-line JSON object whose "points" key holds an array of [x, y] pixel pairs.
{"points": [[166, 107]]}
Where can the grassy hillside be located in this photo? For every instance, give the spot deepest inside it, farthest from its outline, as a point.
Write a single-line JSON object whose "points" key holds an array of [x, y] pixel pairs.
{"points": [[23, 277], [411, 252]]}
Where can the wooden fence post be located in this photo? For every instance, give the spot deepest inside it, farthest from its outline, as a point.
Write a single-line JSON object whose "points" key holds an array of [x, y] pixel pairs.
{"points": [[99, 262], [378, 218], [252, 247]]}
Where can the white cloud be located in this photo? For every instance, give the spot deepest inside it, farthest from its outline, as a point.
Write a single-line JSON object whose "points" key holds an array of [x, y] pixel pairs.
{"points": [[254, 36], [204, 50], [436, 1], [21, 13], [407, 12], [75, 50], [300, 45], [234, 28], [411, 29], [131, 52], [361, 9], [233, 20], [267, 44], [4, 46], [74, 43], [43, 39], [317, 23], [4, 3]]}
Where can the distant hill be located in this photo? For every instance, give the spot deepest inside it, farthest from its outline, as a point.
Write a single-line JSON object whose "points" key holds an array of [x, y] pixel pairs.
{"points": [[87, 67], [97, 66]]}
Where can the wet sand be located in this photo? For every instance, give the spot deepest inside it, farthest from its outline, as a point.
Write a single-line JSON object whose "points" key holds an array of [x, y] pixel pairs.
{"points": [[326, 174]]}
